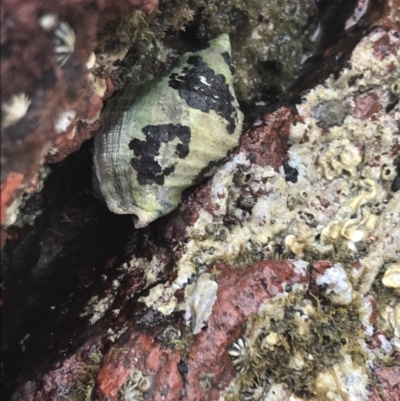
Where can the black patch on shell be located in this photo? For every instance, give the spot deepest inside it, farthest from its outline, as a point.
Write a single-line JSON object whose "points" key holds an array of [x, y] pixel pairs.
{"points": [[148, 168], [228, 60], [198, 95]]}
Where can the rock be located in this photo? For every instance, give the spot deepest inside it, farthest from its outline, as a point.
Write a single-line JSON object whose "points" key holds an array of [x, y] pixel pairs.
{"points": [[38, 93]]}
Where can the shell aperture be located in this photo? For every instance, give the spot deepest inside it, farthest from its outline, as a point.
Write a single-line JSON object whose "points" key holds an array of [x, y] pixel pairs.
{"points": [[168, 134]]}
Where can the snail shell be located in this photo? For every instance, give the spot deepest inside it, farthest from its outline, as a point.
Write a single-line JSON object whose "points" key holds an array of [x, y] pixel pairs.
{"points": [[167, 134]]}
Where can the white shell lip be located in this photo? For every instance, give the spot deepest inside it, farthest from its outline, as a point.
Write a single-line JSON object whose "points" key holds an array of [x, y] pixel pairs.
{"points": [[141, 218]]}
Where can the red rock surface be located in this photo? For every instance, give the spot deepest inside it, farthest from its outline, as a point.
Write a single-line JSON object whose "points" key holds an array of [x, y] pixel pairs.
{"points": [[367, 105], [265, 143], [11, 184], [240, 293], [389, 379]]}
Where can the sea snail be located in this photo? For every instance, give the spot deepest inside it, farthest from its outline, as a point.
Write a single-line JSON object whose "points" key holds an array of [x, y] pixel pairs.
{"points": [[167, 134]]}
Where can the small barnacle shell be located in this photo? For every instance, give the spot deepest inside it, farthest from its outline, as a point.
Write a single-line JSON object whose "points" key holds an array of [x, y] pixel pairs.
{"points": [[388, 172], [240, 355], [134, 387], [145, 384], [64, 42], [168, 134], [48, 21], [391, 277], [14, 110], [91, 61]]}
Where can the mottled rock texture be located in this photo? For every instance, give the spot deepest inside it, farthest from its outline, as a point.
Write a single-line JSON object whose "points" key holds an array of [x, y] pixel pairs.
{"points": [[32, 66]]}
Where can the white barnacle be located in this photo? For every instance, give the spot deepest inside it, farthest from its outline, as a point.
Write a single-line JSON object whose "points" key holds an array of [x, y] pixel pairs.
{"points": [[240, 355], [338, 286], [14, 109], [255, 391], [134, 387], [64, 42], [64, 121], [340, 156], [145, 384], [91, 61], [129, 392], [48, 21], [391, 277]]}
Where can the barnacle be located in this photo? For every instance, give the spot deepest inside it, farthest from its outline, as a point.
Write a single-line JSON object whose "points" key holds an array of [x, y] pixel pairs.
{"points": [[391, 277], [135, 386], [170, 336], [388, 173], [144, 384], [168, 134], [14, 110], [64, 42], [242, 178], [48, 21], [247, 201], [91, 61], [255, 391], [300, 238], [240, 355], [339, 157], [328, 113], [64, 121]]}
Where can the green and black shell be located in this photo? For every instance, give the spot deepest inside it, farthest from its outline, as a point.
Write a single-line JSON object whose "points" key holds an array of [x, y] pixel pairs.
{"points": [[168, 134]]}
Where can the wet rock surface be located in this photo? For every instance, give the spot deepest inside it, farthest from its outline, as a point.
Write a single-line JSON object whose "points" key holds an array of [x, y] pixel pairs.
{"points": [[276, 277], [47, 85]]}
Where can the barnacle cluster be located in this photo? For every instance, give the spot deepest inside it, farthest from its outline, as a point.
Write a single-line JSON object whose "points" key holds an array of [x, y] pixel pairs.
{"points": [[135, 386], [302, 345], [341, 205], [86, 377]]}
